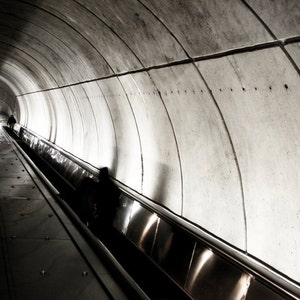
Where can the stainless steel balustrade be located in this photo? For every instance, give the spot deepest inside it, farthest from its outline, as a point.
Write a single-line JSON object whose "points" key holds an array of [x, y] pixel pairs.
{"points": [[196, 267]]}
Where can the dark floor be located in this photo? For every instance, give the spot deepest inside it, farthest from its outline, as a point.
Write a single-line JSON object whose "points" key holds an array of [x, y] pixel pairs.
{"points": [[152, 280], [38, 257]]}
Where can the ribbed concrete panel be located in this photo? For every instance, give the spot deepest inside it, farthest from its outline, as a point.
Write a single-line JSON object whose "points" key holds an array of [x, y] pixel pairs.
{"points": [[60, 53], [39, 55], [4, 107], [281, 17], [162, 176], [96, 32], [62, 31], [7, 99], [294, 51], [35, 111], [22, 117], [17, 75], [37, 114], [63, 126], [258, 96], [10, 79], [84, 116], [102, 147], [44, 34], [128, 157], [51, 116], [77, 127], [211, 188], [205, 27], [30, 67], [139, 29]]}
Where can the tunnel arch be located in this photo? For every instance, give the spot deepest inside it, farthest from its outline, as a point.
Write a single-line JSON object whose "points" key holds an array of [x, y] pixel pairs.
{"points": [[192, 104]]}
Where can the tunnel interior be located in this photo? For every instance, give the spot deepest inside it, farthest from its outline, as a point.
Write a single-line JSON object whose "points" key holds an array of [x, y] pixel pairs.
{"points": [[192, 106]]}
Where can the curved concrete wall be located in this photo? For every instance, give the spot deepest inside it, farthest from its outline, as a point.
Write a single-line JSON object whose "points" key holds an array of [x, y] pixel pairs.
{"points": [[7, 98], [193, 104]]}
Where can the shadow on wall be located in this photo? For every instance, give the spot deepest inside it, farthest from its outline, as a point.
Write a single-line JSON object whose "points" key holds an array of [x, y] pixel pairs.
{"points": [[14, 15], [160, 190], [7, 100], [3, 119]]}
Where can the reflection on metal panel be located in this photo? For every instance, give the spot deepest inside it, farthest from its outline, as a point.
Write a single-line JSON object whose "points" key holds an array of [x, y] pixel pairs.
{"points": [[241, 288], [202, 273], [172, 251], [123, 213], [142, 227], [65, 166], [212, 277], [259, 291]]}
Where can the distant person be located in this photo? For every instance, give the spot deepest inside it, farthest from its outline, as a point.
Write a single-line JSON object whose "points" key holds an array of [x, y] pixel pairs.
{"points": [[11, 122]]}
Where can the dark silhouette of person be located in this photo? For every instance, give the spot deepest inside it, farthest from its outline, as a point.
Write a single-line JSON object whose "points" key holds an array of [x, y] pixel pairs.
{"points": [[107, 197], [97, 203], [11, 122], [86, 194]]}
